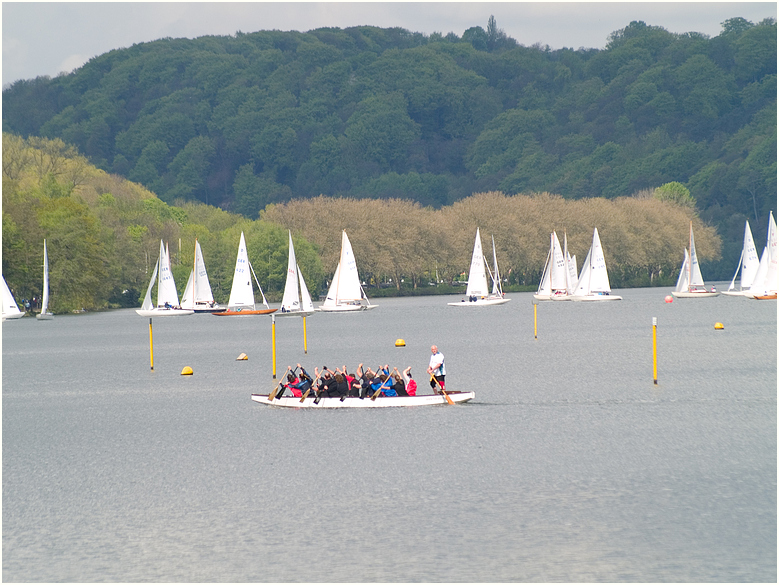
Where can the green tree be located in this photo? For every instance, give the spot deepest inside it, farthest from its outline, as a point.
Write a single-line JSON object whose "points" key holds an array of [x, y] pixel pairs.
{"points": [[676, 193]]}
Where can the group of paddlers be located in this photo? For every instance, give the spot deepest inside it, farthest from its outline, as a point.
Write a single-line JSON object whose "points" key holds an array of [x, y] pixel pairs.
{"points": [[363, 383]]}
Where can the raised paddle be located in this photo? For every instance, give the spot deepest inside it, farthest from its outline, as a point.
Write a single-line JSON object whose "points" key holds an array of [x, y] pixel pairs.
{"points": [[376, 395], [309, 390], [272, 395], [449, 400], [281, 383]]}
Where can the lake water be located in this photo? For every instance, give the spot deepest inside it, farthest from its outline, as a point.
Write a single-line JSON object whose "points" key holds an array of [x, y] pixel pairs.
{"points": [[569, 465]]}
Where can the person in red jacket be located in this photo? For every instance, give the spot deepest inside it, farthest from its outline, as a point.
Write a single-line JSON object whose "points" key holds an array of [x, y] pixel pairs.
{"points": [[411, 385]]}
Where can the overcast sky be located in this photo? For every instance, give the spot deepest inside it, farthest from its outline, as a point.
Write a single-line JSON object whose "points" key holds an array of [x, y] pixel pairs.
{"points": [[49, 38]]}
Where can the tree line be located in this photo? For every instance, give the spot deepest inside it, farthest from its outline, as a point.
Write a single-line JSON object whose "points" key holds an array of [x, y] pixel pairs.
{"points": [[268, 117], [103, 234]]}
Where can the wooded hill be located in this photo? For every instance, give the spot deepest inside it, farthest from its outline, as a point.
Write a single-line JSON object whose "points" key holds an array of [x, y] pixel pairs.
{"points": [[265, 117], [103, 234]]}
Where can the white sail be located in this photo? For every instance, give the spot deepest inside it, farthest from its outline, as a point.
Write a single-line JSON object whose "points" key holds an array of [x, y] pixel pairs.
{"points": [[570, 267], [291, 299], [497, 288], [241, 292], [696, 278], [558, 277], [345, 292], [545, 286], [147, 304], [593, 284], [683, 282], [573, 270], [749, 260], [10, 308], [765, 282], [44, 314], [203, 293], [582, 286], [188, 296], [307, 305], [166, 290], [296, 299], [198, 292], [477, 278]]}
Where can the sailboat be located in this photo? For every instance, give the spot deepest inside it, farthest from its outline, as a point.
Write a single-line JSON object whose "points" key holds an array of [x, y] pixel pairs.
{"points": [[477, 292], [197, 294], [747, 265], [346, 292], [296, 300], [241, 293], [764, 286], [593, 282], [690, 284], [554, 280], [10, 308], [44, 315], [167, 297]]}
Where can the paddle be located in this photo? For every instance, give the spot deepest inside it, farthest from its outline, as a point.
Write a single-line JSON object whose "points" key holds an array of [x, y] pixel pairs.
{"points": [[376, 395], [319, 396], [309, 390], [281, 383], [449, 400]]}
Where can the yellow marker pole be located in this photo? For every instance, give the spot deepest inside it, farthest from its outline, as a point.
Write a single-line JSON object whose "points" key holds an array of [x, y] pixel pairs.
{"points": [[535, 320], [654, 346], [151, 347], [305, 341], [273, 330]]}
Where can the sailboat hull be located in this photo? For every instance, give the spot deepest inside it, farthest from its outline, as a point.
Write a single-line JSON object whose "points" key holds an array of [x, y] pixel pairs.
{"points": [[771, 297], [737, 293], [162, 312], [294, 313], [479, 302], [595, 298], [44, 316], [13, 316], [343, 308], [693, 294], [244, 312], [354, 402]]}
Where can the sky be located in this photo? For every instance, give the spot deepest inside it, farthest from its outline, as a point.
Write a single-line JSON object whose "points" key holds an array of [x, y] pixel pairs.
{"points": [[48, 38]]}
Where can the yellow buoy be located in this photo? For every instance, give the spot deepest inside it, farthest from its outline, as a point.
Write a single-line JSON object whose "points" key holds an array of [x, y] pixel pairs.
{"points": [[400, 343], [243, 356], [719, 326], [187, 371]]}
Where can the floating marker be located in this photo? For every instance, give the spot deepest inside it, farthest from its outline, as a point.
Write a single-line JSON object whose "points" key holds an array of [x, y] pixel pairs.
{"points": [[400, 343], [669, 299], [719, 326], [243, 356], [187, 371]]}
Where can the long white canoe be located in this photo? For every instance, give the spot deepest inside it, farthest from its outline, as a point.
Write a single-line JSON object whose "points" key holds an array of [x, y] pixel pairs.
{"points": [[354, 402]]}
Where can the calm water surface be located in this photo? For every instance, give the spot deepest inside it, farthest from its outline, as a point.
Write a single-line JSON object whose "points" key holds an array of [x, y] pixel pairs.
{"points": [[570, 464]]}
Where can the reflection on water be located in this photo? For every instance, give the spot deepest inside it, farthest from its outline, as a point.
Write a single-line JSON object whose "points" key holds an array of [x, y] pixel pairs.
{"points": [[570, 465]]}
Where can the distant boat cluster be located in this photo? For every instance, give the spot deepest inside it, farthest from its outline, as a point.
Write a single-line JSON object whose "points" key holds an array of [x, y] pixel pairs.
{"points": [[559, 281], [758, 277]]}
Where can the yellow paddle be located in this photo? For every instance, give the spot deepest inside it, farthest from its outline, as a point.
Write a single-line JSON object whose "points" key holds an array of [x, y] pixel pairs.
{"points": [[449, 400]]}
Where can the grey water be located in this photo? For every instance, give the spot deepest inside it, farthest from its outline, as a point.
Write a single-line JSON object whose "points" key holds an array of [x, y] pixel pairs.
{"points": [[570, 465]]}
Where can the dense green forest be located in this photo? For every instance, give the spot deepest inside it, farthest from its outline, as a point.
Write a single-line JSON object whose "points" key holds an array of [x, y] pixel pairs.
{"points": [[103, 234], [266, 117]]}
